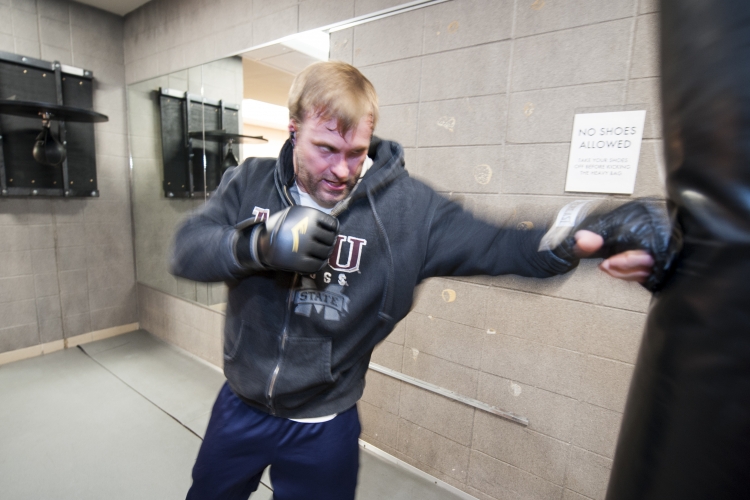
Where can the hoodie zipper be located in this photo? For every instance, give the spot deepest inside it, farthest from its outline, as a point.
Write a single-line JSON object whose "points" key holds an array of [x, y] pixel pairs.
{"points": [[284, 335]]}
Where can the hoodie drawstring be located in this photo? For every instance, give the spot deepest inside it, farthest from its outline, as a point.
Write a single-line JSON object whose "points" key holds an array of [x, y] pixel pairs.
{"points": [[391, 271]]}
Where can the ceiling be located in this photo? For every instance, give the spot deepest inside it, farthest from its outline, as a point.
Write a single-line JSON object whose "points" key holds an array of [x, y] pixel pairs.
{"points": [[119, 7]]}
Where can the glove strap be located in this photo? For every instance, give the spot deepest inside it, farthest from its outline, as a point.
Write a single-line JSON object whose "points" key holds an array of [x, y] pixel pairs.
{"points": [[246, 245], [568, 218]]}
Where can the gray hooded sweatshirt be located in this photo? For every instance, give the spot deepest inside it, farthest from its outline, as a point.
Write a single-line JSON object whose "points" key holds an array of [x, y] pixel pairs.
{"points": [[298, 346]]}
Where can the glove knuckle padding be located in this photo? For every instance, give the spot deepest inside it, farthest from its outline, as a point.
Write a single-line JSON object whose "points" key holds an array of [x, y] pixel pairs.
{"points": [[296, 240], [636, 225]]}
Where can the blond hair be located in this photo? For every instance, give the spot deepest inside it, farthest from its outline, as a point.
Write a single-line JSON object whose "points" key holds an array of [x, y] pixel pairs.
{"points": [[333, 89]]}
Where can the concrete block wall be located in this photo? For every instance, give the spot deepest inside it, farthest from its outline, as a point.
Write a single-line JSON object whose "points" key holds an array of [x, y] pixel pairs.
{"points": [[195, 328], [482, 94], [66, 265]]}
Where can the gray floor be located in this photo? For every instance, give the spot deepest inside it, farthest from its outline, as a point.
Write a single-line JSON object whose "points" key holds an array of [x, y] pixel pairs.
{"points": [[122, 418]]}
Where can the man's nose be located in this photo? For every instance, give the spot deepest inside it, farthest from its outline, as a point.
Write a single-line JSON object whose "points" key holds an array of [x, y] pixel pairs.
{"points": [[340, 167]]}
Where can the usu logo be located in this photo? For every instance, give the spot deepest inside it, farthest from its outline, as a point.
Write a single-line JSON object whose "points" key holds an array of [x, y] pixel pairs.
{"points": [[351, 259]]}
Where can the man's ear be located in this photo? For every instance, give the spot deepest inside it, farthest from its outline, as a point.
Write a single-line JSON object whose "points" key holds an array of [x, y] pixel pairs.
{"points": [[293, 131]]}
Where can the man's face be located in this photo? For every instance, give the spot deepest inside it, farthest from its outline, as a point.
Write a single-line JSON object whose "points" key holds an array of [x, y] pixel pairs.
{"points": [[326, 163]]}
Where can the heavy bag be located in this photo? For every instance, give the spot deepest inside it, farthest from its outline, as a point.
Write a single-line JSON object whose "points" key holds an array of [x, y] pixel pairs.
{"points": [[686, 430]]}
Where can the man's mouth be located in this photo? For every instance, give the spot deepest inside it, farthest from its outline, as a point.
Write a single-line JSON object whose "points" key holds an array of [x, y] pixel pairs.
{"points": [[334, 185]]}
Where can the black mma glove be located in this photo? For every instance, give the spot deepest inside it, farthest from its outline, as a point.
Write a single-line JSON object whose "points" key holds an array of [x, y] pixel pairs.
{"points": [[297, 239], [636, 225]]}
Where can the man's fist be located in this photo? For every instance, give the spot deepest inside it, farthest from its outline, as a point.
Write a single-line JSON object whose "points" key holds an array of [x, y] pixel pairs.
{"points": [[298, 239], [634, 238]]}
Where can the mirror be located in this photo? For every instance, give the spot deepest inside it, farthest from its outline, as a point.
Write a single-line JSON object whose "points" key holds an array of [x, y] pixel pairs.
{"points": [[187, 127]]}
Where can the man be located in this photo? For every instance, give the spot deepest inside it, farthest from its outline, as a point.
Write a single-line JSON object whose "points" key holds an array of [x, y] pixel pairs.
{"points": [[322, 249]]}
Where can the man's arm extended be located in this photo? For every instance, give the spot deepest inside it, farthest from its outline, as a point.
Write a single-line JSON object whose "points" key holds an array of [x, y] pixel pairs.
{"points": [[203, 247]]}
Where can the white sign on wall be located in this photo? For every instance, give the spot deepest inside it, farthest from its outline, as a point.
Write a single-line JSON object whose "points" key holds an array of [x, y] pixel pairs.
{"points": [[604, 152]]}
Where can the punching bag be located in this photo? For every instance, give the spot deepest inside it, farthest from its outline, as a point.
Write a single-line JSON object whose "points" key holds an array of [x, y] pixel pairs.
{"points": [[686, 430]]}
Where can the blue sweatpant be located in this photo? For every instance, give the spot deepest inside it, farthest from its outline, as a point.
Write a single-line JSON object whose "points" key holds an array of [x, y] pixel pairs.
{"points": [[308, 461]]}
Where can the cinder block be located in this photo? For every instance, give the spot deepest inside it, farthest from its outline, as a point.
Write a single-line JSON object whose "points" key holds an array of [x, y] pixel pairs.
{"points": [[452, 300], [389, 355], [76, 324], [646, 6], [436, 413], [317, 13], [25, 5], [74, 303], [549, 368], [40, 211], [15, 238], [535, 453], [597, 429], [378, 424], [586, 283], [263, 8], [55, 33], [463, 122], [589, 54], [15, 263], [588, 473], [43, 261], [115, 316], [7, 43], [342, 45], [399, 123], [500, 480], [535, 168], [73, 281], [48, 307], [433, 450], [475, 169], [577, 326], [84, 40], [46, 285], [547, 115], [121, 296], [112, 276], [18, 337], [6, 28], [645, 93], [444, 75], [541, 17], [50, 329], [399, 333], [463, 23], [71, 258], [41, 237], [14, 211], [20, 312], [443, 339], [605, 383], [651, 175], [29, 48], [25, 23], [274, 26], [548, 413], [52, 53], [389, 39], [395, 82], [435, 370], [646, 52], [382, 391], [68, 211], [17, 288]]}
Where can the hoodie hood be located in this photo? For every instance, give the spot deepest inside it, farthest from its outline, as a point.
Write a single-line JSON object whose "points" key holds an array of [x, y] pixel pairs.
{"points": [[388, 165]]}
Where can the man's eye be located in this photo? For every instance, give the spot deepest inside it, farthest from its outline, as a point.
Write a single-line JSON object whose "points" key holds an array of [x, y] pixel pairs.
{"points": [[325, 149]]}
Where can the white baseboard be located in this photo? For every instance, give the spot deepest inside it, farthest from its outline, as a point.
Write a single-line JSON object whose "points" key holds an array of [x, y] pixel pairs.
{"points": [[59, 345]]}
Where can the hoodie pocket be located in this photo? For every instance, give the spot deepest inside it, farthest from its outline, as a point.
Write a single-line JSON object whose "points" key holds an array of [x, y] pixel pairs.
{"points": [[304, 372]]}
